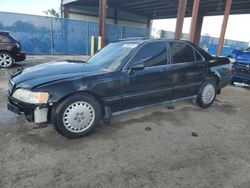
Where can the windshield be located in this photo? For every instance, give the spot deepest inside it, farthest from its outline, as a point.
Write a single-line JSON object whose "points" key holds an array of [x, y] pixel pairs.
{"points": [[112, 56]]}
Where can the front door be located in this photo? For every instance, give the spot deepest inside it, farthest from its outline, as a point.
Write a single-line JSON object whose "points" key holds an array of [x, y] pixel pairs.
{"points": [[151, 84]]}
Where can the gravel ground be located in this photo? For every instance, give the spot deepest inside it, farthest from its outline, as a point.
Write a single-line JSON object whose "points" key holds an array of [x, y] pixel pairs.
{"points": [[166, 146]]}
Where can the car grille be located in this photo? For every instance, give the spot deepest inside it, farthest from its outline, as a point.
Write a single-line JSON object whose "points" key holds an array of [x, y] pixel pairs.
{"points": [[241, 72], [243, 66]]}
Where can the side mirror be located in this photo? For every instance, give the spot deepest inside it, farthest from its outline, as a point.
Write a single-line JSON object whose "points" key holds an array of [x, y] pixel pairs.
{"points": [[138, 66]]}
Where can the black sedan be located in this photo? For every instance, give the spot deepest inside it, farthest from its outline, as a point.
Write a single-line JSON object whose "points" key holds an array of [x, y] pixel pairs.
{"points": [[123, 76]]}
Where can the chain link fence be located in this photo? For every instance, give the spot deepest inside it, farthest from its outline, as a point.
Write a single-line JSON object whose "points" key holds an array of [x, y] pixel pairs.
{"points": [[41, 35]]}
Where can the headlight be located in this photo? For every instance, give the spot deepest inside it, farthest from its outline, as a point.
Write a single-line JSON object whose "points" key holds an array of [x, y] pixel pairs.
{"points": [[31, 97]]}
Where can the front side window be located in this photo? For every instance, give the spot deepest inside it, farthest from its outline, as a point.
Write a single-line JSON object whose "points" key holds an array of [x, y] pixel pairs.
{"points": [[181, 52], [152, 54]]}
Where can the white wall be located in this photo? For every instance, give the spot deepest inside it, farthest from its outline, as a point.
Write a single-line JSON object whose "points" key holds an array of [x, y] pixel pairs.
{"points": [[88, 18], [79, 16]]}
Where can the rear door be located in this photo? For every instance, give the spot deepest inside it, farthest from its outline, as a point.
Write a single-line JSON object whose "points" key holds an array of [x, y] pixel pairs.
{"points": [[188, 69], [150, 85]]}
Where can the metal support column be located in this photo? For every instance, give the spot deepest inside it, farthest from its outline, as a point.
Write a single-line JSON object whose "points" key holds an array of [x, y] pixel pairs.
{"points": [[102, 20], [198, 27], [194, 20], [149, 24], [115, 16], [180, 18], [224, 26], [66, 12]]}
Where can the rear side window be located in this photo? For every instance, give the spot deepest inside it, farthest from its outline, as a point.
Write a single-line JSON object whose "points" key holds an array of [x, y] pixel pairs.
{"points": [[4, 39], [181, 52], [152, 54]]}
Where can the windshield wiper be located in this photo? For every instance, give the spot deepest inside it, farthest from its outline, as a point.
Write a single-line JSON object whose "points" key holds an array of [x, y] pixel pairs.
{"points": [[75, 61]]}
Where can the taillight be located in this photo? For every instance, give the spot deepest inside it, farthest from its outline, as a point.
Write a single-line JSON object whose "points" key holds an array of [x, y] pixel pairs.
{"points": [[230, 67], [19, 46]]}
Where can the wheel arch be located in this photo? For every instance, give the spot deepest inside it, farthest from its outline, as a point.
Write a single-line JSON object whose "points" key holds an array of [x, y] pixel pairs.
{"points": [[216, 77], [92, 94], [9, 52], [209, 77], [57, 114]]}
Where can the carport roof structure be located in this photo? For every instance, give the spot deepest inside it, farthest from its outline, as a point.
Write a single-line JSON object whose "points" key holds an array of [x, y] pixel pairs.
{"points": [[163, 9]]}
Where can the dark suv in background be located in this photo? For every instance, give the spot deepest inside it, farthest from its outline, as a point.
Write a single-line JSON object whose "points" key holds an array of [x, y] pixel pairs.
{"points": [[10, 50]]}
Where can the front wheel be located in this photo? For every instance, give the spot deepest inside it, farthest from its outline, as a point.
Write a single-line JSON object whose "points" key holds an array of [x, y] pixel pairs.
{"points": [[77, 116], [6, 60], [207, 93]]}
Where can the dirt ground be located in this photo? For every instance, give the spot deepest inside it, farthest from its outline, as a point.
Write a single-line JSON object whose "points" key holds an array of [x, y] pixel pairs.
{"points": [[148, 148]]}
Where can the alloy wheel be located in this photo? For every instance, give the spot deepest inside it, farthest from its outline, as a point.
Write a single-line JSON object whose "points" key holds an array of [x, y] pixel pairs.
{"points": [[78, 117], [5, 60], [208, 94]]}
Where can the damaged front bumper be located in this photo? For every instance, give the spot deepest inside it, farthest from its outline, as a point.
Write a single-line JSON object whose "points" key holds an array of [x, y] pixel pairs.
{"points": [[33, 113]]}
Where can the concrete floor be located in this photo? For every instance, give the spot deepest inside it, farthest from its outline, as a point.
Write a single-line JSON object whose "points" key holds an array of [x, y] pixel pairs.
{"points": [[148, 148]]}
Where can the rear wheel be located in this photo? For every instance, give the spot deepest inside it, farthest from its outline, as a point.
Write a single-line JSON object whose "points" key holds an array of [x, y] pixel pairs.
{"points": [[6, 60], [77, 116], [207, 93]]}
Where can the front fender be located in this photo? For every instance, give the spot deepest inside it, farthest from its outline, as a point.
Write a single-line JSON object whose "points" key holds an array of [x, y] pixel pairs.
{"points": [[102, 87], [61, 89]]}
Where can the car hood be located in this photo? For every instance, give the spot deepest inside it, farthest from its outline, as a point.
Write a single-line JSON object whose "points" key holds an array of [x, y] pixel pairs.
{"points": [[242, 56], [54, 71]]}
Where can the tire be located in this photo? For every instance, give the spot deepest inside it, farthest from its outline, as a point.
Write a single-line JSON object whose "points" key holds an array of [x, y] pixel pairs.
{"points": [[207, 93], [6, 60], [77, 116]]}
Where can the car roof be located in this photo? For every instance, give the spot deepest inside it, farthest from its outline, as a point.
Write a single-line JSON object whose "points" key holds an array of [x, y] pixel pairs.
{"points": [[145, 39], [141, 40]]}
